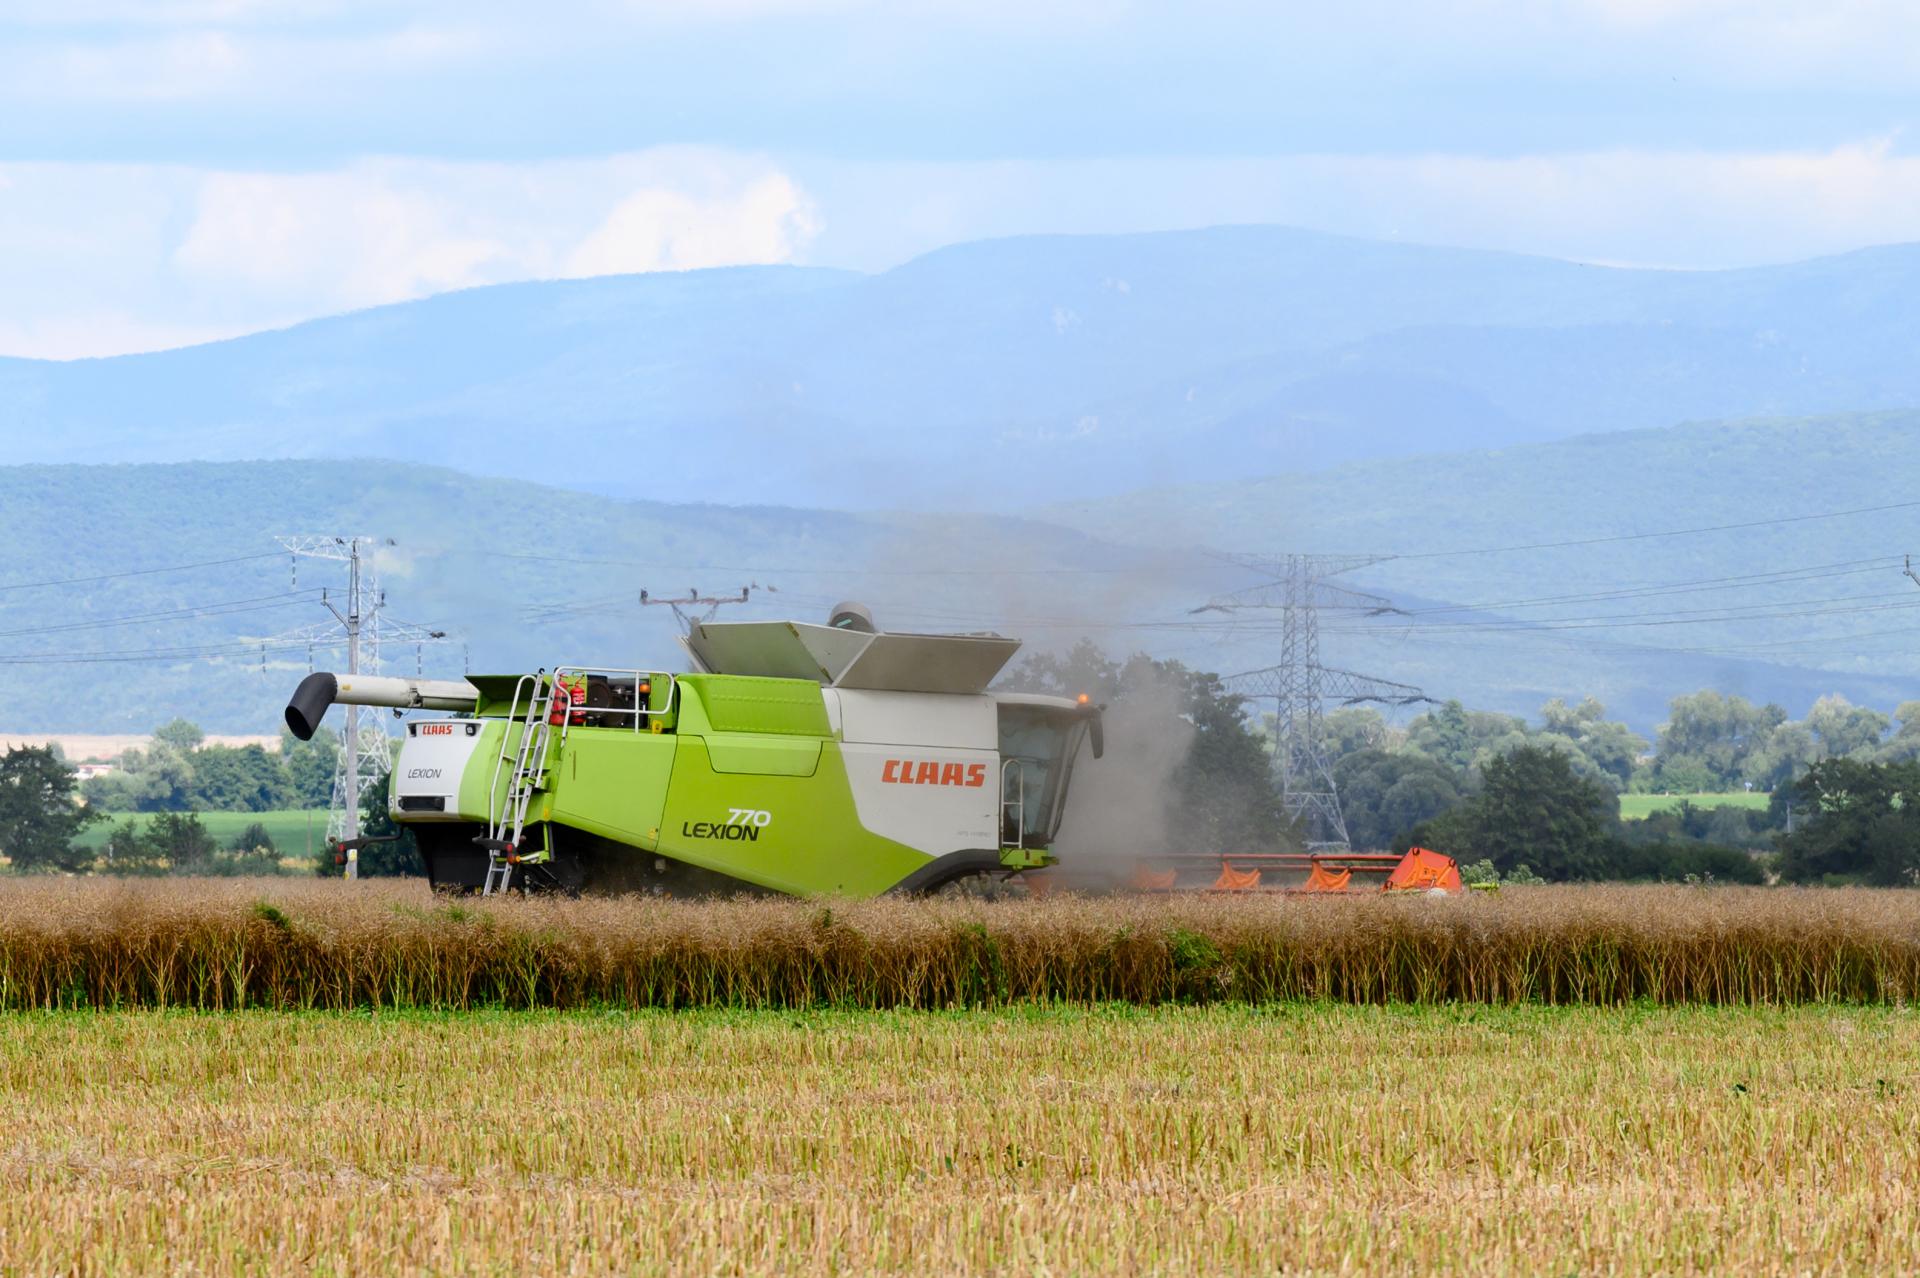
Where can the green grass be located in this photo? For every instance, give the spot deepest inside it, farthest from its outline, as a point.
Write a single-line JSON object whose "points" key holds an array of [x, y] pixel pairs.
{"points": [[287, 828], [1635, 807]]}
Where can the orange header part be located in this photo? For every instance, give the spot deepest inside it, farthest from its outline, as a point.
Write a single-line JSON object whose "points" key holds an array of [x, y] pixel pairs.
{"points": [[1423, 870]]}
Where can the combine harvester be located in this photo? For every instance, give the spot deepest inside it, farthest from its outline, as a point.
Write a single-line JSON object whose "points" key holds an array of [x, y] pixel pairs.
{"points": [[802, 759]]}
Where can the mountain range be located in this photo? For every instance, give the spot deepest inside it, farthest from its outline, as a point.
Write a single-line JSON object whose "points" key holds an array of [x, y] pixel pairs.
{"points": [[1003, 374], [1568, 478]]}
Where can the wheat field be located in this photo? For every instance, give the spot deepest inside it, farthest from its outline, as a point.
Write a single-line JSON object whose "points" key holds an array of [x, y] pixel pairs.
{"points": [[1303, 1139], [333, 945]]}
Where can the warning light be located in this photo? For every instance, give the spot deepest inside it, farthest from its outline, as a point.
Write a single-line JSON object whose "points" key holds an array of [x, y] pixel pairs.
{"points": [[1083, 698]]}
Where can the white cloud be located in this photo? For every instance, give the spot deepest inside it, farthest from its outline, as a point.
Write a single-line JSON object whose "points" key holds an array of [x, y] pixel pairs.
{"points": [[661, 229], [98, 259], [355, 238], [389, 230]]}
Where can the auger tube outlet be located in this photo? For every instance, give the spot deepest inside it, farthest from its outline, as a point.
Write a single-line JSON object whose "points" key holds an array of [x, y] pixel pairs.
{"points": [[319, 690]]}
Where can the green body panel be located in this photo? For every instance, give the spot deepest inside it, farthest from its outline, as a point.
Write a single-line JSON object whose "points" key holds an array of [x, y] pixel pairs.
{"points": [[741, 703], [768, 756], [613, 782], [811, 841]]}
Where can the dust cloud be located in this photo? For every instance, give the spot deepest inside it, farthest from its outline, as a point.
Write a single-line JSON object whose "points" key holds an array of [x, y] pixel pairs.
{"points": [[1121, 808]]}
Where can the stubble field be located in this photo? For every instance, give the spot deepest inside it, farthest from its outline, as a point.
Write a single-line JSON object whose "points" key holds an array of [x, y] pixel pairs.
{"points": [[243, 1077], [1296, 1139]]}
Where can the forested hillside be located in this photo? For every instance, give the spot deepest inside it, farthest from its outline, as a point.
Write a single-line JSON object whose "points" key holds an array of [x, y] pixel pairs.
{"points": [[133, 594]]}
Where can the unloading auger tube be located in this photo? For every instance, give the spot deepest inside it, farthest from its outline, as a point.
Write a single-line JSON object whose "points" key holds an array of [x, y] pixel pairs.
{"points": [[318, 691], [796, 758]]}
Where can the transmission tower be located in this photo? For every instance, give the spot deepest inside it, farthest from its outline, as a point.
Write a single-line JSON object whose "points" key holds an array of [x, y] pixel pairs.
{"points": [[683, 607], [360, 622], [1300, 686]]}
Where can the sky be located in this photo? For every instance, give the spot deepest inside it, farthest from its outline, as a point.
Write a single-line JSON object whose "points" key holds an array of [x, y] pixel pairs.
{"points": [[175, 171]]}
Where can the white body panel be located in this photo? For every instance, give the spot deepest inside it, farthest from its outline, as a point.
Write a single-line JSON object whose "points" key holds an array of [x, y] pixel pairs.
{"points": [[938, 800], [914, 718], [433, 757], [924, 768]]}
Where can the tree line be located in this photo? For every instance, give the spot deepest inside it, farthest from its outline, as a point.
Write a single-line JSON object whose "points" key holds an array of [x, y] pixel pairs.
{"points": [[176, 771], [1528, 797]]}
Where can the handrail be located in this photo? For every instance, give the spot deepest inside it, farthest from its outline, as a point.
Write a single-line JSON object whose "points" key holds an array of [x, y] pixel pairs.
{"points": [[1019, 767], [506, 736], [636, 712]]}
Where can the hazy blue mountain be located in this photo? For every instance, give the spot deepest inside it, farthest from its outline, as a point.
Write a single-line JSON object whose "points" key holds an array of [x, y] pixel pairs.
{"points": [[1003, 373], [529, 575], [1734, 608]]}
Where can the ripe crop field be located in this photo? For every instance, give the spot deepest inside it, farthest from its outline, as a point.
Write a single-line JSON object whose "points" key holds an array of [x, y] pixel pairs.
{"points": [[1302, 1138], [308, 944]]}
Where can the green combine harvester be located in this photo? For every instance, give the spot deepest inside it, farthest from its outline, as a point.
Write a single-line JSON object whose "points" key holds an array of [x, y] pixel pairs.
{"points": [[797, 758]]}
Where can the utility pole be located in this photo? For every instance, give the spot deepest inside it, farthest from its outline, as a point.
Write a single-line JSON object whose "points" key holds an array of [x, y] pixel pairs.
{"points": [[364, 756], [694, 599], [1300, 686]]}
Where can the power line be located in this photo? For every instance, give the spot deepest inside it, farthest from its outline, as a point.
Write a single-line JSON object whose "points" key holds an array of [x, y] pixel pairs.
{"points": [[817, 572], [112, 656], [136, 572], [225, 608], [1675, 532], [1705, 585]]}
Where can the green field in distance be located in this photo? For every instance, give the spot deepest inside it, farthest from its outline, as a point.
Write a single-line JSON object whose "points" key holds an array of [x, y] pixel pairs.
{"points": [[1634, 807], [287, 828]]}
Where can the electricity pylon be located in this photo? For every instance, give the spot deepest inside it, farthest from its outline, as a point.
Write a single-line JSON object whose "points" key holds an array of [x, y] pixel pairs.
{"points": [[1301, 686], [361, 623]]}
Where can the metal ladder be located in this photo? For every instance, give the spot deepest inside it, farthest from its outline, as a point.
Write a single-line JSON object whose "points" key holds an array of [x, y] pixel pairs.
{"points": [[507, 815]]}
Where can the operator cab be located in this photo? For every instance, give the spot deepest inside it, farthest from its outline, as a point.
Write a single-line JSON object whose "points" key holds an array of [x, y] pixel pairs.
{"points": [[1039, 740]]}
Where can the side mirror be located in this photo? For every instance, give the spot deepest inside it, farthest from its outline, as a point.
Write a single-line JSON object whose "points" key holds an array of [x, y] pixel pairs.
{"points": [[1096, 732]]}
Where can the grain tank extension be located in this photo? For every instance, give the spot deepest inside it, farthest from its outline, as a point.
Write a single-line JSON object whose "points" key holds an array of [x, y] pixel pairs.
{"points": [[796, 758]]}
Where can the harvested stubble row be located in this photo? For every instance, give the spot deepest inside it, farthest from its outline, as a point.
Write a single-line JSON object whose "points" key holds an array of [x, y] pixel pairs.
{"points": [[336, 945]]}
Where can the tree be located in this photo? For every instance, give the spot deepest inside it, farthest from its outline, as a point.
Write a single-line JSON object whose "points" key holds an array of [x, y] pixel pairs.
{"points": [[254, 838], [242, 779], [1533, 809], [179, 735], [39, 813], [1863, 824], [1384, 795], [1904, 744], [1788, 750], [1461, 738], [1613, 747], [156, 779], [1845, 730], [179, 839], [310, 767], [128, 850], [1351, 729], [1717, 732]]}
